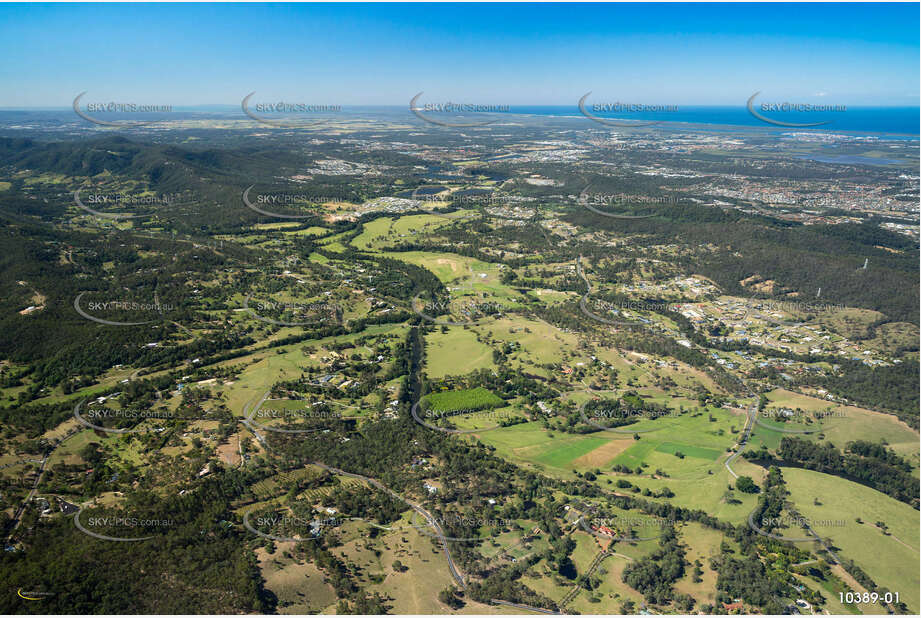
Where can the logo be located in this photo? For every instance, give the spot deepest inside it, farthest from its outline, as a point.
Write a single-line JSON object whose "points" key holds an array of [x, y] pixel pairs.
{"points": [[119, 523], [805, 523], [624, 528], [96, 411], [454, 521], [115, 200], [434, 414], [33, 595], [591, 201], [782, 416], [629, 416], [454, 108], [276, 199], [622, 108], [474, 310], [113, 107], [787, 107], [257, 411], [309, 529], [283, 107], [322, 313]]}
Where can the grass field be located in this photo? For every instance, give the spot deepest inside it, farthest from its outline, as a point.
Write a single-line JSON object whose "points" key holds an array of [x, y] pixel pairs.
{"points": [[415, 590], [455, 352], [700, 441], [701, 543], [892, 561], [300, 588], [540, 342], [850, 423], [563, 455], [264, 368], [453, 268], [690, 451], [385, 232], [469, 399], [526, 443]]}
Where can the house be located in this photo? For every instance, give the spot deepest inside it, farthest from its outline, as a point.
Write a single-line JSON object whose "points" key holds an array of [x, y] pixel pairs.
{"points": [[606, 530]]}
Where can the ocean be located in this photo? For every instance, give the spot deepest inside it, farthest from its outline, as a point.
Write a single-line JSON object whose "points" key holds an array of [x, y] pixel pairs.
{"points": [[868, 120]]}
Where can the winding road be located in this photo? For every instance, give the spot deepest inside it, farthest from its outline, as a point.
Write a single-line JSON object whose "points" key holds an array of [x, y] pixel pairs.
{"points": [[429, 518], [746, 434]]}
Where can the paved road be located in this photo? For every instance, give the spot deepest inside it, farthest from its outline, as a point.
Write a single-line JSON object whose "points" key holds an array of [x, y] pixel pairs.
{"points": [[22, 507], [746, 434], [528, 608], [429, 518], [38, 480], [822, 542]]}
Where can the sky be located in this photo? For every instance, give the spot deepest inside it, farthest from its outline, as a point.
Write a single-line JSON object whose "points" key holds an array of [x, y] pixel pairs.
{"points": [[504, 54]]}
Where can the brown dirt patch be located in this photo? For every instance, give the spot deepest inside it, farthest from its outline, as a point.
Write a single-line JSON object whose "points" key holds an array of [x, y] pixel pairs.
{"points": [[229, 453], [604, 453]]}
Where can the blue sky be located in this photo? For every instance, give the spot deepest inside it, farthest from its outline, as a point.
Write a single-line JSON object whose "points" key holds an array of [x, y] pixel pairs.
{"points": [[383, 54]]}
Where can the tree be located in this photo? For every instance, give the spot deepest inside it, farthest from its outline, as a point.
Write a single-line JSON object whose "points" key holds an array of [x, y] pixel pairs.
{"points": [[746, 485], [449, 597]]}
